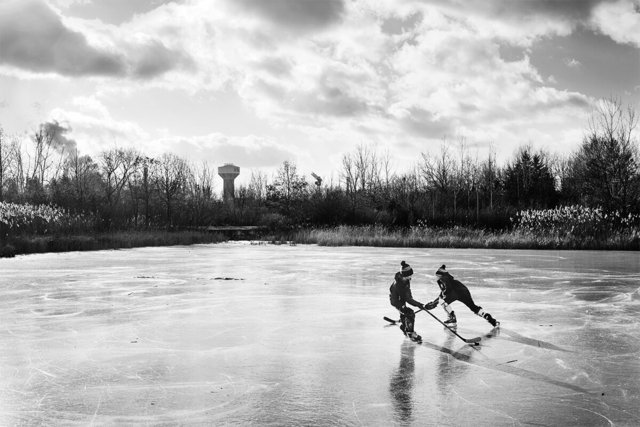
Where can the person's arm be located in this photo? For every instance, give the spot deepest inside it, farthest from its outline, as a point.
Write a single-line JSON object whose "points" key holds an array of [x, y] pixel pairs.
{"points": [[442, 283], [409, 299], [433, 304]]}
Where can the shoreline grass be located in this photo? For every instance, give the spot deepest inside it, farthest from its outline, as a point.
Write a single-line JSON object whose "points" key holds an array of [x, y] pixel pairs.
{"points": [[373, 235], [23, 245], [461, 237]]}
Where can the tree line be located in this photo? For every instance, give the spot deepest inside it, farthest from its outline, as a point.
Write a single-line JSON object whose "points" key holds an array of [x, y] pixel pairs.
{"points": [[125, 189]]}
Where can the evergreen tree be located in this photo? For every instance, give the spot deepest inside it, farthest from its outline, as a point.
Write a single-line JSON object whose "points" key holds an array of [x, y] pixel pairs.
{"points": [[529, 183]]}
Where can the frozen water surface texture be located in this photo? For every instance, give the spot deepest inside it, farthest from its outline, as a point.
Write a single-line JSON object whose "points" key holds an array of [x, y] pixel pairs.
{"points": [[241, 334]]}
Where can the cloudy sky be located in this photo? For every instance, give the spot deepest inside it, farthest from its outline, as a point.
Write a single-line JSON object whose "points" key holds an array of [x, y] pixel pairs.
{"points": [[257, 82]]}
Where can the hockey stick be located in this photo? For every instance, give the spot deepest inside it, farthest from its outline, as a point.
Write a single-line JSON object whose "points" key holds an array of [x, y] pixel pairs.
{"points": [[474, 341], [393, 322]]}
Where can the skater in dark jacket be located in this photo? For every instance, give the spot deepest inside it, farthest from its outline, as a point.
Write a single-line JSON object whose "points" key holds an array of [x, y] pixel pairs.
{"points": [[400, 296], [453, 290]]}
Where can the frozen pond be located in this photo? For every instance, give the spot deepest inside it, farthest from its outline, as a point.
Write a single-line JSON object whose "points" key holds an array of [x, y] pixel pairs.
{"points": [[240, 334]]}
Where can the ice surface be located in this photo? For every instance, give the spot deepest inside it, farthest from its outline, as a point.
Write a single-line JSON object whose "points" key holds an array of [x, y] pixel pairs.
{"points": [[241, 334]]}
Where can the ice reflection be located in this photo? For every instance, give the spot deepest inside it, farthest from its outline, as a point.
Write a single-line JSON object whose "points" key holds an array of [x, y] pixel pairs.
{"points": [[448, 370], [401, 384]]}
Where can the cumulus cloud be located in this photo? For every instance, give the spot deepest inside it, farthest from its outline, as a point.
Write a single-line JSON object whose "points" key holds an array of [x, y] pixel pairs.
{"points": [[620, 20], [152, 58], [94, 129], [405, 71], [420, 66], [251, 151], [423, 123], [523, 22], [109, 11], [421, 70], [299, 15], [576, 10], [572, 63], [33, 37]]}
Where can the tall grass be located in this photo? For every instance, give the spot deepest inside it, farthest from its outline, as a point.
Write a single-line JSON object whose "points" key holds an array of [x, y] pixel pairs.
{"points": [[577, 222], [415, 237], [465, 237], [32, 229], [26, 229], [117, 240], [26, 219]]}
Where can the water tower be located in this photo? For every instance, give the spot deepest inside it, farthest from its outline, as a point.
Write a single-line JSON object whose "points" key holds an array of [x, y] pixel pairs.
{"points": [[228, 172]]}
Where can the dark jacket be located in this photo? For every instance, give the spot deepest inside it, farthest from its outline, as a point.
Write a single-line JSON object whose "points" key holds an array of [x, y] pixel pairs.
{"points": [[400, 293], [450, 287]]}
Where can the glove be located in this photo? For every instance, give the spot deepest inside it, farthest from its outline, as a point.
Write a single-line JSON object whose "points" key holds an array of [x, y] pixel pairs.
{"points": [[431, 305]]}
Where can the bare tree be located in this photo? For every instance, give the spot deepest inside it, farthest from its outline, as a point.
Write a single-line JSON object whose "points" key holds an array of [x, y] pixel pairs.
{"points": [[85, 175], [612, 121], [466, 169], [290, 184], [490, 174], [362, 165], [172, 172], [48, 152], [144, 179], [288, 188], [475, 177], [18, 167], [386, 167], [201, 182], [204, 178], [349, 173], [116, 164], [4, 162], [438, 171], [368, 168], [258, 185], [40, 158]]}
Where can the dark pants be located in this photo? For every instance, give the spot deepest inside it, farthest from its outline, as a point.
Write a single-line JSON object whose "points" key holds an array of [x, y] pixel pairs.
{"points": [[464, 296], [407, 318]]}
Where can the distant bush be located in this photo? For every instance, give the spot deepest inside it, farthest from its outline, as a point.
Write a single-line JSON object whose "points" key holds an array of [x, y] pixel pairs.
{"points": [[7, 251], [275, 221]]}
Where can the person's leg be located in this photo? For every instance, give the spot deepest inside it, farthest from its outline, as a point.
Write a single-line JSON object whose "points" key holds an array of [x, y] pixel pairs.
{"points": [[488, 317], [467, 300], [451, 315], [403, 321], [408, 318]]}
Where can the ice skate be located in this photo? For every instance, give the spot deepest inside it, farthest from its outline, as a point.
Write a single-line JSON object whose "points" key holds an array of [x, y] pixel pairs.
{"points": [[414, 336], [491, 320], [451, 321]]}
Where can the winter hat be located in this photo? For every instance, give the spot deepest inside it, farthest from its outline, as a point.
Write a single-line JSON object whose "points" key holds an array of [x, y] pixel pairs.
{"points": [[406, 269], [442, 270]]}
